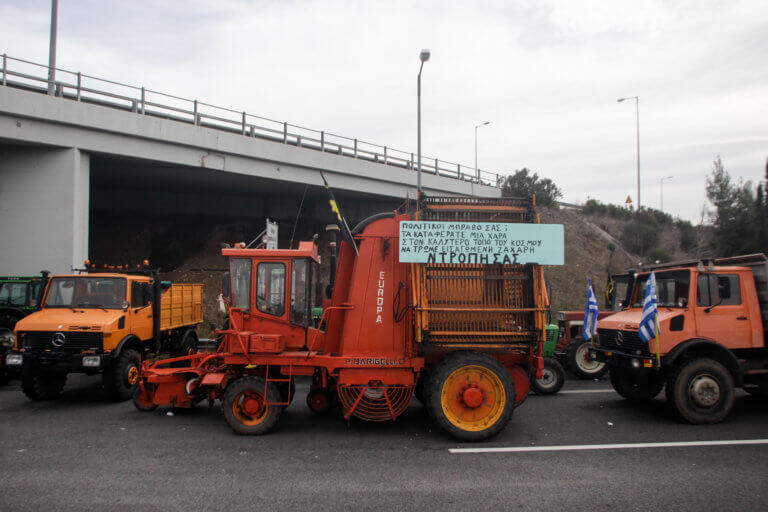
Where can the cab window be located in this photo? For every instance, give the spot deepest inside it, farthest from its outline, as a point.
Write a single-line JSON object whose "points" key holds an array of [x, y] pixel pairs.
{"points": [[139, 294], [241, 283], [300, 292], [13, 294], [726, 292], [672, 288], [270, 288]]}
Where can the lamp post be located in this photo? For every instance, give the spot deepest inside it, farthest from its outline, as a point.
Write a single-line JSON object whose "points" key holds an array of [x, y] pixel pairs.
{"points": [[477, 169], [661, 190], [52, 48], [423, 57], [637, 120]]}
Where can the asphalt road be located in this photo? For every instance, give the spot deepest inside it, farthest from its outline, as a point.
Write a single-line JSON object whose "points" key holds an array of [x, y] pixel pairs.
{"points": [[85, 453]]}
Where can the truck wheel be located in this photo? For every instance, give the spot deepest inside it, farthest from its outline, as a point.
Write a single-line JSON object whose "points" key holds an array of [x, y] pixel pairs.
{"points": [[284, 394], [42, 386], [121, 378], [186, 347], [247, 410], [470, 395], [579, 362], [702, 391], [636, 388], [551, 380]]}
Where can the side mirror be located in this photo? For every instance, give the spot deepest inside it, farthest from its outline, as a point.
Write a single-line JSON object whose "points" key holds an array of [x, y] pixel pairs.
{"points": [[125, 305], [226, 286]]}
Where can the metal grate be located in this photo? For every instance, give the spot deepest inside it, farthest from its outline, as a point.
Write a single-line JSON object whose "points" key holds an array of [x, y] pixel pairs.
{"points": [[625, 341], [72, 342]]}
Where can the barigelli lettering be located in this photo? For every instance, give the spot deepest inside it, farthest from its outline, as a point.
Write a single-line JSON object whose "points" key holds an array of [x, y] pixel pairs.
{"points": [[375, 361]]}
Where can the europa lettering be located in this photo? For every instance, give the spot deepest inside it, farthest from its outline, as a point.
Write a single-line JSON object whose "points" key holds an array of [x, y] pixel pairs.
{"points": [[380, 297]]}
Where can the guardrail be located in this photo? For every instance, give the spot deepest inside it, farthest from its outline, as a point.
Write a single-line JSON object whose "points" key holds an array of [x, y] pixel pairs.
{"points": [[89, 89]]}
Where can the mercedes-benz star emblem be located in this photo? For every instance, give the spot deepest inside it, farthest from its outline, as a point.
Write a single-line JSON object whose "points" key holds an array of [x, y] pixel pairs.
{"points": [[58, 339], [619, 338]]}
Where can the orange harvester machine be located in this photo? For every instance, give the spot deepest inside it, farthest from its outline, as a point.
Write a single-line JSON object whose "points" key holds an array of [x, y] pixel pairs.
{"points": [[386, 323]]}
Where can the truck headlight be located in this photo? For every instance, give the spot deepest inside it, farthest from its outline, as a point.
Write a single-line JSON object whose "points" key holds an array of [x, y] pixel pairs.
{"points": [[14, 359], [92, 361], [635, 363]]}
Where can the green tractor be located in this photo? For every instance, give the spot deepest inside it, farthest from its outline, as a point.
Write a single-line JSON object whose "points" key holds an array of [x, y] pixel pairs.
{"points": [[19, 296], [553, 378]]}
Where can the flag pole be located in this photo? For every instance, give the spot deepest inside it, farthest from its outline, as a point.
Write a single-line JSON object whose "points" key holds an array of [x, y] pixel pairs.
{"points": [[658, 341]]}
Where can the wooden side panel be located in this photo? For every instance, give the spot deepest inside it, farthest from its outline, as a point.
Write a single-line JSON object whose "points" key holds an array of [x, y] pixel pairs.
{"points": [[181, 305]]}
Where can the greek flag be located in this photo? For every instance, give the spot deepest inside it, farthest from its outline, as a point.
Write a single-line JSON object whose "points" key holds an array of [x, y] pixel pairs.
{"points": [[590, 313], [648, 322]]}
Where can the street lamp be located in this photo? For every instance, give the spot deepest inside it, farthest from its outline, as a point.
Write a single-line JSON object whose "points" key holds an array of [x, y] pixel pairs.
{"points": [[52, 47], [423, 57], [637, 119], [661, 189], [477, 169]]}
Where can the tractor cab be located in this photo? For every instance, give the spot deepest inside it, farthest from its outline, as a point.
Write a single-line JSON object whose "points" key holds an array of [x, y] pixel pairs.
{"points": [[272, 291]]}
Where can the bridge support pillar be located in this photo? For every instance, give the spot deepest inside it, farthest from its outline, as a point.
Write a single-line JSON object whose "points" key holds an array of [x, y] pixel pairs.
{"points": [[44, 207]]}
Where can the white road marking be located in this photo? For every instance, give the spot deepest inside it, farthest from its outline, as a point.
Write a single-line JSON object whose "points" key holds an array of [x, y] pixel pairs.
{"points": [[623, 446], [586, 391]]}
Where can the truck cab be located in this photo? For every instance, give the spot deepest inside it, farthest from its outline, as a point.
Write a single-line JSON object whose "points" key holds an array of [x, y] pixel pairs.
{"points": [[711, 320]]}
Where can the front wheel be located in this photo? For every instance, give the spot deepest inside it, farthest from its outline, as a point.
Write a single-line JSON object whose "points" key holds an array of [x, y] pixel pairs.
{"points": [[580, 362], [42, 386], [471, 395], [702, 391], [121, 378], [552, 378], [634, 387], [248, 409]]}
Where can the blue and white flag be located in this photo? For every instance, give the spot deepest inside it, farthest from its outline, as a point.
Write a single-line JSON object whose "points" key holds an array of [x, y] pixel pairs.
{"points": [[590, 313], [648, 322]]}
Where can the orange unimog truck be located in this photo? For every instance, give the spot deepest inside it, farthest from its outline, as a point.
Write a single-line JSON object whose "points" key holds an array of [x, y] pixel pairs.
{"points": [[104, 322], [712, 315]]}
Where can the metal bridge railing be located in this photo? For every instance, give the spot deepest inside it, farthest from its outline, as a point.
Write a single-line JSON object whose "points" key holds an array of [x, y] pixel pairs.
{"points": [[77, 86]]}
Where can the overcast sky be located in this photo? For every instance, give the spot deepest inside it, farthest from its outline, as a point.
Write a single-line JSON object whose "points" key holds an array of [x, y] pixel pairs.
{"points": [[545, 73]]}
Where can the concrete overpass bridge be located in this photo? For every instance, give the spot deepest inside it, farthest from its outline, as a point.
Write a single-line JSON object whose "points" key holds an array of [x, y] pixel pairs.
{"points": [[95, 149]]}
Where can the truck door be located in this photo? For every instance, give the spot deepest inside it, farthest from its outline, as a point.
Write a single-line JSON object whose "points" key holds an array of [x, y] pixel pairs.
{"points": [[140, 312], [721, 314]]}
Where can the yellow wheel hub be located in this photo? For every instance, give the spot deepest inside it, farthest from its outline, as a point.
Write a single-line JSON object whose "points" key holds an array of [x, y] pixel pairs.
{"points": [[473, 398], [133, 375]]}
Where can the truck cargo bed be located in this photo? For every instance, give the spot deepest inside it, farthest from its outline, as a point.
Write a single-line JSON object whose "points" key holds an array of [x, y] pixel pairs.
{"points": [[181, 305]]}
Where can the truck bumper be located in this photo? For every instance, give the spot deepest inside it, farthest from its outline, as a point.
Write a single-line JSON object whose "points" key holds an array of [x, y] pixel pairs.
{"points": [[58, 361], [620, 359]]}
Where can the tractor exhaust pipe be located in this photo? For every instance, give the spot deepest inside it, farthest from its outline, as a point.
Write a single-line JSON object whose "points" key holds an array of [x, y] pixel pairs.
{"points": [[332, 230]]}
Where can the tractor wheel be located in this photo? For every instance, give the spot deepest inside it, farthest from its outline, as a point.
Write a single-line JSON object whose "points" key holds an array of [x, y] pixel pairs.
{"points": [[636, 388], [471, 395], [320, 400], [551, 380], [579, 362], [121, 378], [421, 387], [284, 393], [247, 410], [702, 391], [142, 400], [42, 386]]}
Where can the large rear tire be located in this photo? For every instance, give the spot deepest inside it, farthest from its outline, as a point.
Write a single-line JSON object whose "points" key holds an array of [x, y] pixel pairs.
{"points": [[121, 378], [579, 362], [470, 395], [247, 409], [636, 388], [702, 391], [552, 379]]}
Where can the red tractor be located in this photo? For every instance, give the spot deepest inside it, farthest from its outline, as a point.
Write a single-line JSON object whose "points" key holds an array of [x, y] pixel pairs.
{"points": [[572, 350], [466, 338]]}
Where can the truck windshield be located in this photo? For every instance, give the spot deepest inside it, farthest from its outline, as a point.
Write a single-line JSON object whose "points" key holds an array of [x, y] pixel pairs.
{"points": [[86, 292], [13, 294], [671, 288]]}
